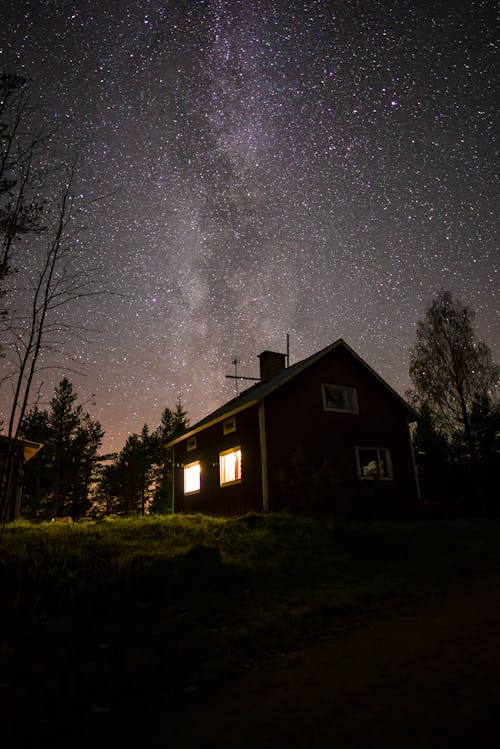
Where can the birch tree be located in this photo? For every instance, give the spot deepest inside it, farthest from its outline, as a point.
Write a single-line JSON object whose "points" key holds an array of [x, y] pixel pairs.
{"points": [[451, 369], [455, 390], [41, 274]]}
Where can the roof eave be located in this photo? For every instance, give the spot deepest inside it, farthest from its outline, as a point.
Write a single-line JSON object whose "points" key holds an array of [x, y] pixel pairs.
{"points": [[216, 420], [411, 413]]}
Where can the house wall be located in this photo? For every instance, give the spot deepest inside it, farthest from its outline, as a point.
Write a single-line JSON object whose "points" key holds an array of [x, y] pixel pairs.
{"points": [[212, 499], [311, 452]]}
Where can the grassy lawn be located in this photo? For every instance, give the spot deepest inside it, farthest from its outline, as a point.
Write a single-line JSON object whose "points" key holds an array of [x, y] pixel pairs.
{"points": [[126, 614]]}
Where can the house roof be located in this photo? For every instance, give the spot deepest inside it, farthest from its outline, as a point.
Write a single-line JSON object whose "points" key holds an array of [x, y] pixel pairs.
{"points": [[256, 393]]}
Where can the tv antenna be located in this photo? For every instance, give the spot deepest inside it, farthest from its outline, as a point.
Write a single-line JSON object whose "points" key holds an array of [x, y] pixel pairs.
{"points": [[236, 361], [237, 377]]}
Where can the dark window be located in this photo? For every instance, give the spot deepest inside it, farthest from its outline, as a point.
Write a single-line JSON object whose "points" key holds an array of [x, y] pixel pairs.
{"points": [[373, 463], [229, 426], [340, 398]]}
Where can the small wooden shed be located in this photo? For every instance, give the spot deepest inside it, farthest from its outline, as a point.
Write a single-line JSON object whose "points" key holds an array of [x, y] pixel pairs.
{"points": [[14, 453]]}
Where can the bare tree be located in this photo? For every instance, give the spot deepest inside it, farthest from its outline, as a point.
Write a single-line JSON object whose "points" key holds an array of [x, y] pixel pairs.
{"points": [[20, 143], [452, 371], [40, 273], [455, 390]]}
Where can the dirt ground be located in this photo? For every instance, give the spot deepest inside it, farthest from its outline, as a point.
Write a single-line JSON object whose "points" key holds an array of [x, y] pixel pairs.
{"points": [[424, 673], [421, 673]]}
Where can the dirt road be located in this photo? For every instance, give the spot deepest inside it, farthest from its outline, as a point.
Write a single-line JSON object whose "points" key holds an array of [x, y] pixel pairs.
{"points": [[423, 674], [416, 674]]}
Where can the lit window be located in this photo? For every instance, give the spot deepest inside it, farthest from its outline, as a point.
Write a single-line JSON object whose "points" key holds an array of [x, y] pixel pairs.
{"points": [[192, 478], [340, 398], [229, 426], [373, 463], [191, 444], [230, 466]]}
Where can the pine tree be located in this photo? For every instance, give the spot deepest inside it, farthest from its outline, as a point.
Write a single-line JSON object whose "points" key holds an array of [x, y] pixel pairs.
{"points": [[173, 424], [139, 481], [38, 471], [58, 479], [63, 422]]}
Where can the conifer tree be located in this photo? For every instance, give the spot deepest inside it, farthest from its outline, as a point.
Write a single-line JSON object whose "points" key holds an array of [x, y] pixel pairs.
{"points": [[58, 479], [139, 481]]}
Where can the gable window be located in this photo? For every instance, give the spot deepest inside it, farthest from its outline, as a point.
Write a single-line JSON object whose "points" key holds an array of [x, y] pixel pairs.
{"points": [[230, 466], [374, 463], [229, 426], [192, 477], [191, 444], [340, 398]]}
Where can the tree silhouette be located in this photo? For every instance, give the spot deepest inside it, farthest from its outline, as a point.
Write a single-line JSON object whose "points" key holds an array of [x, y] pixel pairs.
{"points": [[173, 424], [450, 368], [139, 480], [59, 479], [20, 142], [455, 388], [41, 275]]}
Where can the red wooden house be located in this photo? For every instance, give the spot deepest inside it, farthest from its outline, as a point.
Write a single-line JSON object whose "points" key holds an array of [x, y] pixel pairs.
{"points": [[324, 434]]}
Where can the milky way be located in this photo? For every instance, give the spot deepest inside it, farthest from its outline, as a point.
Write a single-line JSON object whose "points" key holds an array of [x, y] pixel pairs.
{"points": [[314, 168]]}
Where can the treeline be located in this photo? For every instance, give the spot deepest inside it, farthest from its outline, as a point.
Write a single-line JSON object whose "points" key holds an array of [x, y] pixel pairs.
{"points": [[139, 479], [70, 477], [457, 436]]}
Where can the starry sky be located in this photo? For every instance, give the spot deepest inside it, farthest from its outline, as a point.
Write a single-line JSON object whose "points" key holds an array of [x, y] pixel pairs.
{"points": [[319, 168]]}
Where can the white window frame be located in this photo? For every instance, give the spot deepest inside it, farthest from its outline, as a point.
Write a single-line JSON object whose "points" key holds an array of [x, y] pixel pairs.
{"points": [[229, 426], [186, 467], [349, 389], [191, 444], [222, 455], [377, 476]]}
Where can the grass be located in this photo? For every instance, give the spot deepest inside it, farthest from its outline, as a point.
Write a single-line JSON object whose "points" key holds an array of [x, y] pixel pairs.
{"points": [[127, 614]]}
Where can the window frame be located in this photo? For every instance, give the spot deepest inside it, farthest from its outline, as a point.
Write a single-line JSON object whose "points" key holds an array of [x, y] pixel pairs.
{"points": [[222, 454], [191, 444], [348, 388], [229, 425], [388, 462], [185, 467]]}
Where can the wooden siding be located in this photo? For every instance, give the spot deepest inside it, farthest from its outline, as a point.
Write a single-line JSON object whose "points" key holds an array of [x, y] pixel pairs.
{"points": [[311, 453], [308, 445], [213, 499]]}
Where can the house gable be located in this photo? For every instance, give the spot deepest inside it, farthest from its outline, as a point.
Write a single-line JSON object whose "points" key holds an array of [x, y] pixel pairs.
{"points": [[311, 447], [262, 390]]}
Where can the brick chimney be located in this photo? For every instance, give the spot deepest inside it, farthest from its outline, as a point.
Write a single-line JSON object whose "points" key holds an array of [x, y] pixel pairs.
{"points": [[270, 364]]}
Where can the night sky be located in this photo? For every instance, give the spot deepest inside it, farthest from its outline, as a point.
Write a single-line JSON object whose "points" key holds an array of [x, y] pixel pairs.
{"points": [[316, 168]]}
